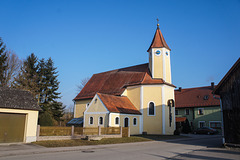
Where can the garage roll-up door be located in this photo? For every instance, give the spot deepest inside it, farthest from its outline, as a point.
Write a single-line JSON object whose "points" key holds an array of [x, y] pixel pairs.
{"points": [[12, 127]]}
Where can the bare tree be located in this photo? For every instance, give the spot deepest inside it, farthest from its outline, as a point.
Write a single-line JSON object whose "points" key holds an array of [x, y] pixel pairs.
{"points": [[13, 67], [83, 82]]}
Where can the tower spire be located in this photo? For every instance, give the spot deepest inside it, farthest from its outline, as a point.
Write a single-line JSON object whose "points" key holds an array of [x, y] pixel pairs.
{"points": [[158, 39]]}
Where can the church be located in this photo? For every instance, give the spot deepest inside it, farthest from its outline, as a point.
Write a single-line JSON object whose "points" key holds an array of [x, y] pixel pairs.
{"points": [[140, 97]]}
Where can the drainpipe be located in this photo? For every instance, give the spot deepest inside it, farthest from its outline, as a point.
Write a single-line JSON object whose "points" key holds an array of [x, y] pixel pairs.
{"points": [[223, 139]]}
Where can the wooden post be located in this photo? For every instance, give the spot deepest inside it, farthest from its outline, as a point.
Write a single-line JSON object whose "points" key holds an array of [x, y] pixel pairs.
{"points": [[72, 131], [128, 131], [38, 132], [121, 130], [99, 130]]}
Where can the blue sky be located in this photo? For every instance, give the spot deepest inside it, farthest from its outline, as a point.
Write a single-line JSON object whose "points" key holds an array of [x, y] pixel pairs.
{"points": [[87, 37]]}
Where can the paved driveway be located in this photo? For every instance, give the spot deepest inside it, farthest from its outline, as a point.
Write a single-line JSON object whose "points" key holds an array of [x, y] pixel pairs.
{"points": [[206, 147]]}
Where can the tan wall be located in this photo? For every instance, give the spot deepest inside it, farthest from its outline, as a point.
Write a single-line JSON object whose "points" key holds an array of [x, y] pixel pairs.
{"points": [[168, 68], [134, 129], [96, 109], [133, 94], [80, 107], [95, 120], [152, 124], [31, 122], [158, 63]]}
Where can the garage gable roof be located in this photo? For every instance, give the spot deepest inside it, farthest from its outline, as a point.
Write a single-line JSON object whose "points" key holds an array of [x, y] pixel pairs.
{"points": [[17, 99]]}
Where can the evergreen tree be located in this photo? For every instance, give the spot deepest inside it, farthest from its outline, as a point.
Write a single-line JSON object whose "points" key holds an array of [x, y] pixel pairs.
{"points": [[28, 77], [49, 86], [3, 64]]}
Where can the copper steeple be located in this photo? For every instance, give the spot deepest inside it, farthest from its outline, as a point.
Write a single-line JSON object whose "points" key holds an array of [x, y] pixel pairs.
{"points": [[158, 40]]}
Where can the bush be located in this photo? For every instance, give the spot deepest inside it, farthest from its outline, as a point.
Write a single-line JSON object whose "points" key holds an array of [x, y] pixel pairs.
{"points": [[46, 119]]}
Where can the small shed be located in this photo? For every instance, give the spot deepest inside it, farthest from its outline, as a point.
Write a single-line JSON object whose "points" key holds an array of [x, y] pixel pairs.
{"points": [[18, 116], [229, 91]]}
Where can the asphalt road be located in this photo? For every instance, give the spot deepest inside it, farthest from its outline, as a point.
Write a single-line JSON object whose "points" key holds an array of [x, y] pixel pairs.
{"points": [[204, 148]]}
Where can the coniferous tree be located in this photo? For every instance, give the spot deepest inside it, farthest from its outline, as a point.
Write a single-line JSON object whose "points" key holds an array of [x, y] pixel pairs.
{"points": [[3, 64], [28, 77], [49, 86]]}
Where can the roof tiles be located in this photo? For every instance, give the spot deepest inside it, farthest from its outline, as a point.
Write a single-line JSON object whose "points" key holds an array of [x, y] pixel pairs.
{"points": [[195, 97], [118, 104]]}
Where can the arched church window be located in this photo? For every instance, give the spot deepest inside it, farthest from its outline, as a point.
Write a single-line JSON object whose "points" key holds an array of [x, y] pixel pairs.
{"points": [[100, 122], [117, 120], [91, 120], [151, 109]]}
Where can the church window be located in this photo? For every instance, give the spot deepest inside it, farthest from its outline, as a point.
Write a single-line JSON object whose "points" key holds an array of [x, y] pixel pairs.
{"points": [[151, 109], [100, 121], [91, 120], [134, 121], [117, 120]]}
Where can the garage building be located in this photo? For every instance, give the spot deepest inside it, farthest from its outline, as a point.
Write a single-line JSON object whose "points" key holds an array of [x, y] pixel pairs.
{"points": [[18, 116]]}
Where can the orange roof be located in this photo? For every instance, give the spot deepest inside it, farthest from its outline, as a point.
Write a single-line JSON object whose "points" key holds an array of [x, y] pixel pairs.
{"points": [[195, 97], [114, 82], [158, 41], [180, 119], [118, 104]]}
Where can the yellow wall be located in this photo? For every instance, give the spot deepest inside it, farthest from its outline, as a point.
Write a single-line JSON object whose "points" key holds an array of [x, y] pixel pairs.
{"points": [[161, 64], [134, 129], [152, 124], [133, 94], [80, 107], [31, 122]]}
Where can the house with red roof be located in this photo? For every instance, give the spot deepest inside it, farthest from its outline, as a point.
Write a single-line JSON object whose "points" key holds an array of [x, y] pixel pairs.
{"points": [[199, 106], [140, 97]]}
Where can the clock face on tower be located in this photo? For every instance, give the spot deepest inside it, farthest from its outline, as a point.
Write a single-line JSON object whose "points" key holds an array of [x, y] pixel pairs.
{"points": [[158, 52]]}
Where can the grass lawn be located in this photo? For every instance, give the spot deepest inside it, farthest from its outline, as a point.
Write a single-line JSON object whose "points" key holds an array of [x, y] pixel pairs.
{"points": [[79, 142]]}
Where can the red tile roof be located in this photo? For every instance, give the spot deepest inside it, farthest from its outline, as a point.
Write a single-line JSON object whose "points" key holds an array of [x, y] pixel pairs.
{"points": [[114, 82], [118, 104], [194, 97], [180, 119], [158, 41]]}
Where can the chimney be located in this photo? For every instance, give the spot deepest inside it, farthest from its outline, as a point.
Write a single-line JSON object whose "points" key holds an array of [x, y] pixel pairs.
{"points": [[180, 89], [212, 85]]}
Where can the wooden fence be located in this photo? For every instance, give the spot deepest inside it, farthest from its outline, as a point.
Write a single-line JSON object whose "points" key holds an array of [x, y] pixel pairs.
{"points": [[52, 132]]}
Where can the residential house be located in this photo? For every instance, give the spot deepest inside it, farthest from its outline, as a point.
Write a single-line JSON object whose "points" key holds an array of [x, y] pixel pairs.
{"points": [[140, 97], [229, 90], [18, 116], [198, 106]]}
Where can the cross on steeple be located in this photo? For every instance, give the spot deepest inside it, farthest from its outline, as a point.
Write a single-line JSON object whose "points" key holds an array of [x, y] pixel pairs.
{"points": [[157, 22]]}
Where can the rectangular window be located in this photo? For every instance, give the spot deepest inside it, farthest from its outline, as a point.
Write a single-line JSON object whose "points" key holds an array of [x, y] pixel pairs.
{"points": [[176, 112], [215, 125], [187, 111], [201, 124], [200, 111], [91, 120], [134, 121]]}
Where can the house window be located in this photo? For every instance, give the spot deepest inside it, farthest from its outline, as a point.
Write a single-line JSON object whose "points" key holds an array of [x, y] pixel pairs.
{"points": [[117, 120], [200, 111], [215, 125], [201, 124], [187, 111], [134, 121], [91, 120], [176, 112], [100, 121], [151, 109]]}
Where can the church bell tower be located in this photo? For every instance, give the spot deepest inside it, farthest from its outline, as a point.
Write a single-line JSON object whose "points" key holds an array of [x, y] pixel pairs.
{"points": [[159, 58]]}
